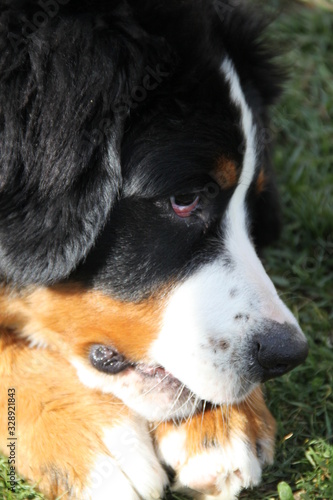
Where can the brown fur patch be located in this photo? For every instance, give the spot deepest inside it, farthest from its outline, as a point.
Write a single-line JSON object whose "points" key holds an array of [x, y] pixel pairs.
{"points": [[70, 319], [261, 182], [250, 420], [59, 421], [226, 173]]}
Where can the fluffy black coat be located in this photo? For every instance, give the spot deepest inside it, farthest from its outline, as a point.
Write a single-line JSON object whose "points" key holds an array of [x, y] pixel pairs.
{"points": [[108, 108]]}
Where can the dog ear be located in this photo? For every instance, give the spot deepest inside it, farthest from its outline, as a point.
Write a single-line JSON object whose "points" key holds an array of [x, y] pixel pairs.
{"points": [[242, 31], [62, 88]]}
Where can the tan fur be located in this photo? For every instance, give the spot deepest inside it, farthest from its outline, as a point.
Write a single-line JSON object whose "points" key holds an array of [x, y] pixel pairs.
{"points": [[59, 421], [251, 420], [226, 173], [261, 181], [70, 319]]}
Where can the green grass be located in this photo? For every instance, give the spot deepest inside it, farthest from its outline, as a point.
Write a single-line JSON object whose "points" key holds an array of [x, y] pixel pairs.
{"points": [[23, 490], [301, 264]]}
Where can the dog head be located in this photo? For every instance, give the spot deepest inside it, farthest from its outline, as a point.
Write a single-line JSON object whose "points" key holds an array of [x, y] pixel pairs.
{"points": [[135, 189]]}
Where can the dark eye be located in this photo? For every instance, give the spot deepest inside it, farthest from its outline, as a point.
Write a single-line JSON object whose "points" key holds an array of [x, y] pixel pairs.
{"points": [[184, 205]]}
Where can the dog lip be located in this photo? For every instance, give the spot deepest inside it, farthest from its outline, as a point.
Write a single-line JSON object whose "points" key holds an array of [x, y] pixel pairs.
{"points": [[108, 360], [152, 371], [164, 379]]}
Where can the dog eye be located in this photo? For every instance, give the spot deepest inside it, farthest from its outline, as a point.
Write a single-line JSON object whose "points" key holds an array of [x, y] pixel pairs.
{"points": [[184, 204]]}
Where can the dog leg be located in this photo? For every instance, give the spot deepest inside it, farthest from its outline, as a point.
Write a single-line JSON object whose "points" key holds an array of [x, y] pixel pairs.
{"points": [[71, 441], [221, 451]]}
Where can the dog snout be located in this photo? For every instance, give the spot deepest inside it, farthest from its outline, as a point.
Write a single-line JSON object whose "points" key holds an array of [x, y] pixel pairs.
{"points": [[278, 348]]}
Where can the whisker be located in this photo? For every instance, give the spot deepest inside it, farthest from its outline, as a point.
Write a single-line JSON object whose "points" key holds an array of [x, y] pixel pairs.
{"points": [[194, 408], [187, 401], [177, 397], [203, 413], [156, 385], [222, 414]]}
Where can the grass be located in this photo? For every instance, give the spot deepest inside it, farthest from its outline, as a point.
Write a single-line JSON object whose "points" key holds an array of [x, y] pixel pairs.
{"points": [[301, 265], [323, 4], [23, 490]]}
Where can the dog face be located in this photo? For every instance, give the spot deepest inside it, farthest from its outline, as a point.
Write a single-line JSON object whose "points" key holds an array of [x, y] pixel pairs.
{"points": [[150, 226]]}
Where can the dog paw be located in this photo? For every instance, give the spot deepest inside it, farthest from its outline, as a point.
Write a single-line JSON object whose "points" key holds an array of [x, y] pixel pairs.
{"points": [[131, 470], [221, 451], [220, 472]]}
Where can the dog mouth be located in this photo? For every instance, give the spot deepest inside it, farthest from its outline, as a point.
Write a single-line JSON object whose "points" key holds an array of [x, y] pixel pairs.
{"points": [[154, 382], [108, 360]]}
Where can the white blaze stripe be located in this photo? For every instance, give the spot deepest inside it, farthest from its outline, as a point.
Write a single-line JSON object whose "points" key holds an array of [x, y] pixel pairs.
{"points": [[237, 203], [236, 232]]}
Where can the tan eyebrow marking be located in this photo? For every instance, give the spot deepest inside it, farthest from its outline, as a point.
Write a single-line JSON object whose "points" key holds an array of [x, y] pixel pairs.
{"points": [[226, 173], [261, 181]]}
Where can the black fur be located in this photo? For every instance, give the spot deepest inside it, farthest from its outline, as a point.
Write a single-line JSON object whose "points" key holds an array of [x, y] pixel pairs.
{"points": [[107, 109]]}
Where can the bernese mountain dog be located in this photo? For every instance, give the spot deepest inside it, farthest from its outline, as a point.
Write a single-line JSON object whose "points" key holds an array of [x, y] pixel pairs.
{"points": [[137, 321]]}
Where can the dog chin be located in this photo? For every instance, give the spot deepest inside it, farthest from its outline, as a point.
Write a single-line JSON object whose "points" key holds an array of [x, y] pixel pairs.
{"points": [[149, 390]]}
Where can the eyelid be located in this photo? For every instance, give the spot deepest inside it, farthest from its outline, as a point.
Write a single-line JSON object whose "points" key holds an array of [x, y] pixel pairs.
{"points": [[184, 211]]}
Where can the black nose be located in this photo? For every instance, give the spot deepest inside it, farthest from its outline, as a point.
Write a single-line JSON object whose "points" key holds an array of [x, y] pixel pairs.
{"points": [[277, 349]]}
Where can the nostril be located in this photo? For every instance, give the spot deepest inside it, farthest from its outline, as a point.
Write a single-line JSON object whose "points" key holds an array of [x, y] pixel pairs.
{"points": [[278, 348], [269, 363]]}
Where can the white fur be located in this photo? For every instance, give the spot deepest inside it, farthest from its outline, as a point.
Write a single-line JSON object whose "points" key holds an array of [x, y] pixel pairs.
{"points": [[131, 470], [107, 481], [35, 343]]}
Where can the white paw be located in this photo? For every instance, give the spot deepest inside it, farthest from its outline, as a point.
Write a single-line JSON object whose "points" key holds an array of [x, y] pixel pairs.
{"points": [[221, 472], [217, 472], [131, 470]]}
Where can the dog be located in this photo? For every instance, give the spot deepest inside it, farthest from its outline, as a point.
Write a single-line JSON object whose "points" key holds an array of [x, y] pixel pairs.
{"points": [[137, 320]]}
